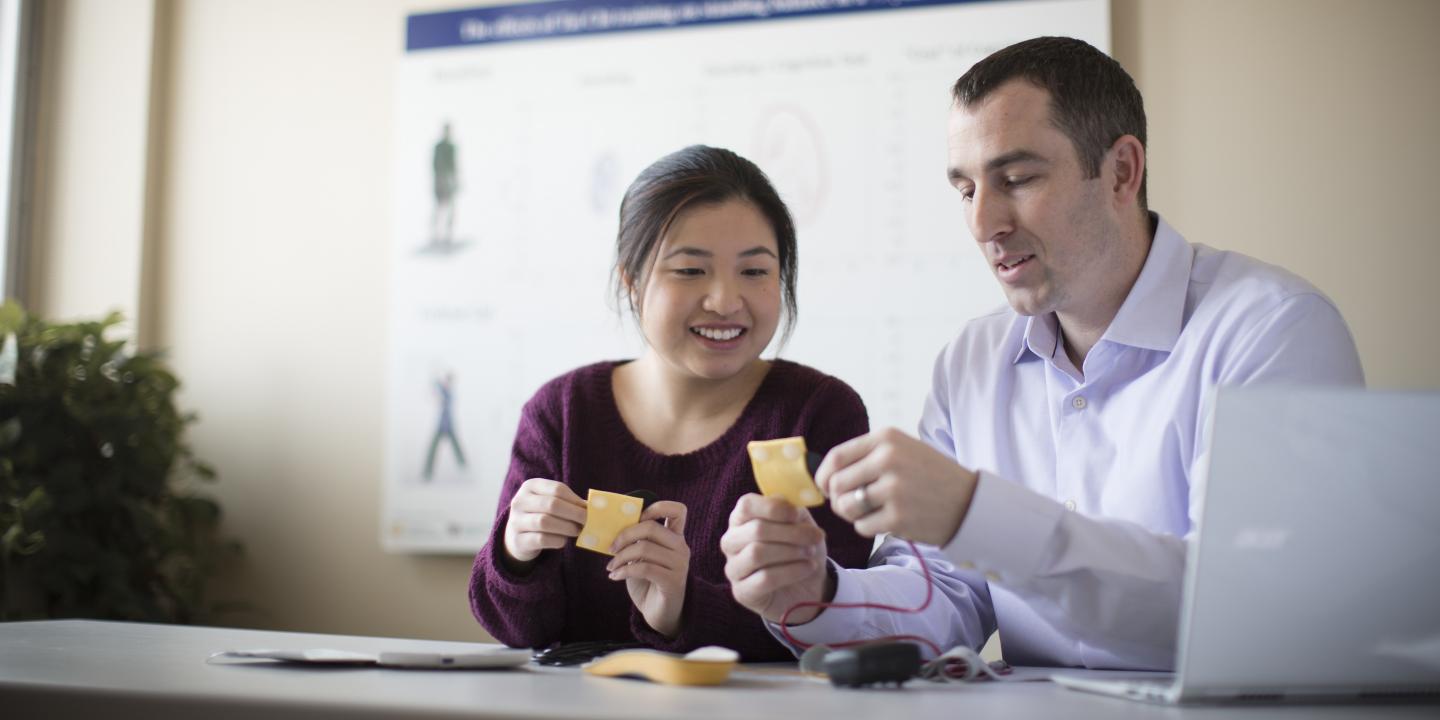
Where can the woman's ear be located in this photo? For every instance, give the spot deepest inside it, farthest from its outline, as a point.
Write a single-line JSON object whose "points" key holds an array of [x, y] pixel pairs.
{"points": [[632, 292]]}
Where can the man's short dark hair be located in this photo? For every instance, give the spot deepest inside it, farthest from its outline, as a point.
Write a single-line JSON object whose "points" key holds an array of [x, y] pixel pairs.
{"points": [[1092, 99]]}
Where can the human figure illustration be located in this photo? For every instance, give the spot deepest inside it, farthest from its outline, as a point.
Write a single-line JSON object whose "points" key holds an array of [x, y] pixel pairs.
{"points": [[445, 428], [447, 183]]}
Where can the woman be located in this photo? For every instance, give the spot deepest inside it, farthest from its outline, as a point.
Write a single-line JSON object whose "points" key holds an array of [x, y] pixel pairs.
{"points": [[706, 259]]}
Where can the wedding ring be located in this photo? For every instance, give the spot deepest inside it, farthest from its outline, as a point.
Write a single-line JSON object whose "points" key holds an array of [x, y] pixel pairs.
{"points": [[863, 500]]}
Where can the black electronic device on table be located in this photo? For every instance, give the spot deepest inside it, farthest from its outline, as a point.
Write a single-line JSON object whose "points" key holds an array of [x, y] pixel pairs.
{"points": [[874, 663]]}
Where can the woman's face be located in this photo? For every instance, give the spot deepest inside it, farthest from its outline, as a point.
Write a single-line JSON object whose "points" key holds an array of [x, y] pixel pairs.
{"points": [[712, 300]]}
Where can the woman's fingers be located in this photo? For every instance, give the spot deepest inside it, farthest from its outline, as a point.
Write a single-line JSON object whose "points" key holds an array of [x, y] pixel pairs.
{"points": [[537, 522], [652, 531], [669, 513], [551, 488], [548, 503], [540, 540], [646, 552], [659, 575]]}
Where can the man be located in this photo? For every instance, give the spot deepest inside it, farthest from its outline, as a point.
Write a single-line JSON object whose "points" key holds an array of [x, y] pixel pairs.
{"points": [[446, 183], [1054, 480]]}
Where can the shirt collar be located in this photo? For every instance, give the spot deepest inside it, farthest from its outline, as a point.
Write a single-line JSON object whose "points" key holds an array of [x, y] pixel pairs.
{"points": [[1036, 336], [1151, 316], [1153, 313]]}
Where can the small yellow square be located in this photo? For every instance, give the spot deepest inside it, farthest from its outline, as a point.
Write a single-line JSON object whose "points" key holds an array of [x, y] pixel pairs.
{"points": [[608, 514], [780, 471]]}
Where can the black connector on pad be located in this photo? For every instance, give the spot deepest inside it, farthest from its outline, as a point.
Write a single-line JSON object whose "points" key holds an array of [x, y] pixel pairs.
{"points": [[873, 664], [646, 497], [812, 462]]}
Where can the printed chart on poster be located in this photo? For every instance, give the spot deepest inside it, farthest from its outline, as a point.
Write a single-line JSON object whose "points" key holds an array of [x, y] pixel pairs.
{"points": [[517, 130]]}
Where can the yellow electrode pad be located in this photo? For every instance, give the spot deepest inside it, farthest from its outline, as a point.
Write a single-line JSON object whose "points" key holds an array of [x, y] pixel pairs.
{"points": [[709, 665], [780, 471], [608, 514]]}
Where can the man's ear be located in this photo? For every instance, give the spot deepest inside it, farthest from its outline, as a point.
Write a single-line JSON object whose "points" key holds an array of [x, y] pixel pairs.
{"points": [[1126, 162]]}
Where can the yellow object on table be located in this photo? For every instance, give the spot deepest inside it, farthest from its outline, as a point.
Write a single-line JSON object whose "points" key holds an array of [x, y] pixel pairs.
{"points": [[710, 665]]}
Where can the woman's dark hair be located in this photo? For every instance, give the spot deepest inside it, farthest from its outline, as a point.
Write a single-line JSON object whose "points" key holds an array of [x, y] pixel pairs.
{"points": [[695, 176]]}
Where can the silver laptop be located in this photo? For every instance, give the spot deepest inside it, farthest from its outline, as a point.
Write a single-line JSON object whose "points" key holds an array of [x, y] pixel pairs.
{"points": [[1316, 570]]}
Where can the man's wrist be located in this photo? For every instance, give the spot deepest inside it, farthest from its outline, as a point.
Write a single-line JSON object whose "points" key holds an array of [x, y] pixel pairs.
{"points": [[828, 589], [971, 481]]}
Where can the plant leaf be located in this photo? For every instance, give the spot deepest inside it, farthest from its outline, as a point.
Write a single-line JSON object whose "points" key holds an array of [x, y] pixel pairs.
{"points": [[12, 317]]}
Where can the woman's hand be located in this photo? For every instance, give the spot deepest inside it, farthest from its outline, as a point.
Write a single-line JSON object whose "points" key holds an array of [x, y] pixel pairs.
{"points": [[544, 515], [654, 561]]}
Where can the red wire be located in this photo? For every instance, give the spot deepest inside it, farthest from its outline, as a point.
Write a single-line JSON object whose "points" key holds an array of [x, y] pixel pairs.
{"points": [[929, 593]]}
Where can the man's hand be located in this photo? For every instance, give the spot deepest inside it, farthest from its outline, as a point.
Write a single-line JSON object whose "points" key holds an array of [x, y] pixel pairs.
{"points": [[654, 561], [775, 558], [544, 515], [889, 482]]}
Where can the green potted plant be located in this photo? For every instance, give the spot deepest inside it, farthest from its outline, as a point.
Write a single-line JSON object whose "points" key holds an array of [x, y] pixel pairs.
{"points": [[98, 513]]}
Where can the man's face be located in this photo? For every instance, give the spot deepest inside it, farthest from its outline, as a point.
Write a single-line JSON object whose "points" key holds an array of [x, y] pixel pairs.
{"points": [[1049, 233]]}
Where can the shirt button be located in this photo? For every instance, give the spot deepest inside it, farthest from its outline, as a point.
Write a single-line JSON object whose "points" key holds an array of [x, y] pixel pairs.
{"points": [[1070, 505], [967, 565], [993, 577], [1079, 402]]}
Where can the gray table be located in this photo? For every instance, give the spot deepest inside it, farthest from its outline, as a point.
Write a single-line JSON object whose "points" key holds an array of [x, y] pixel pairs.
{"points": [[77, 668]]}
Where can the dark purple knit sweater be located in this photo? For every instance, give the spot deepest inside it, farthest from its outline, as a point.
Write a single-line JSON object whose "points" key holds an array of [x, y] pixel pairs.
{"points": [[571, 431]]}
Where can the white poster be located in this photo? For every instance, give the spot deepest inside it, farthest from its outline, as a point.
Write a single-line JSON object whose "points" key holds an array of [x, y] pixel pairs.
{"points": [[518, 129]]}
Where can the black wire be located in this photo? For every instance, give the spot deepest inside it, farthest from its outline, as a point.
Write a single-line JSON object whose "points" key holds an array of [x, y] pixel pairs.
{"points": [[575, 653]]}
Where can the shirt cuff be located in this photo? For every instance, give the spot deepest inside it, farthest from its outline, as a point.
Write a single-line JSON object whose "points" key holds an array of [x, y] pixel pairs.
{"points": [[833, 624], [1006, 531]]}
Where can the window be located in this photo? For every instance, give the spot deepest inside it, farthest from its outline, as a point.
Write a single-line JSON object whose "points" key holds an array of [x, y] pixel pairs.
{"points": [[17, 71]]}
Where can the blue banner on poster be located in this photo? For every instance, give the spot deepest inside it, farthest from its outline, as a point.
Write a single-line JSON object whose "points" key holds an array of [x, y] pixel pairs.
{"points": [[568, 18]]}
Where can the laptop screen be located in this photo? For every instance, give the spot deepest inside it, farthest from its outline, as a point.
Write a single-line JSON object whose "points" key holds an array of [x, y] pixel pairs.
{"points": [[1316, 568]]}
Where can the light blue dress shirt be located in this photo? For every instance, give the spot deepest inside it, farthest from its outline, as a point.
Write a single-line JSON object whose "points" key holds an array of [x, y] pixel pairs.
{"points": [[1074, 544]]}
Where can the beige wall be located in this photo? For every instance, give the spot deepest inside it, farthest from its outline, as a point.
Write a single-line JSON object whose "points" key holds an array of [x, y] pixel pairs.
{"points": [[93, 132], [1298, 131], [1304, 133]]}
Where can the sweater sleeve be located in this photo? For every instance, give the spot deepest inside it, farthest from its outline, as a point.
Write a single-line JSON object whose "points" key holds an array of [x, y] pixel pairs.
{"points": [[523, 610]]}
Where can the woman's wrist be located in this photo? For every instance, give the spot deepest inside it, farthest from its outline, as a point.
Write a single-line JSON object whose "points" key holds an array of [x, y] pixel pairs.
{"points": [[667, 620], [513, 564], [669, 629]]}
